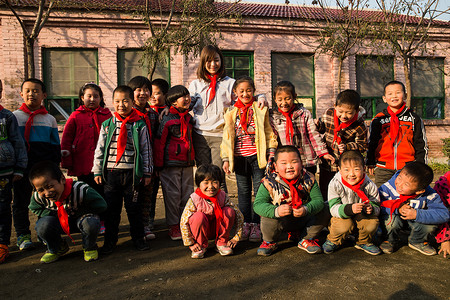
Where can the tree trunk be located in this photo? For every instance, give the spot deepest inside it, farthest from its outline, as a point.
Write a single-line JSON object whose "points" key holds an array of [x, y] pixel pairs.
{"points": [[341, 62], [152, 72], [29, 45], [407, 81]]}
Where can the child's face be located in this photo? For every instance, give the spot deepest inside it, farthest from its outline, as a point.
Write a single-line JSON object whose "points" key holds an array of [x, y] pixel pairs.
{"points": [[213, 66], [182, 103], [288, 165], [345, 112], [91, 98], [122, 103], [49, 188], [141, 96], [32, 95], [352, 171], [394, 96], [284, 100], [209, 187], [158, 97], [407, 185], [244, 91]]}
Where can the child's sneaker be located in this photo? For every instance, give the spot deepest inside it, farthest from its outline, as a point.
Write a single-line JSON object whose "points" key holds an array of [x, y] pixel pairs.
{"points": [[224, 250], [387, 247], [101, 231], [107, 248], [24, 242], [328, 247], [90, 255], [309, 246], [255, 233], [423, 248], [52, 257], [369, 248], [149, 235], [4, 253], [141, 244], [175, 232], [246, 231], [266, 249], [198, 254], [294, 236]]}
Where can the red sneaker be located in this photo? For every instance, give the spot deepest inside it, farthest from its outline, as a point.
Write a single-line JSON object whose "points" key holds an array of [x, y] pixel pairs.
{"points": [[175, 232]]}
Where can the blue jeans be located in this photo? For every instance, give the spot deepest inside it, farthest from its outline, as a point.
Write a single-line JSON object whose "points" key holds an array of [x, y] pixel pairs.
{"points": [[5, 209], [247, 170], [419, 232], [49, 230]]}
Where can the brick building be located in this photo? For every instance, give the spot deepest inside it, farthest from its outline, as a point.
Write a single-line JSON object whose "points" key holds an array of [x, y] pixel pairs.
{"points": [[78, 46]]}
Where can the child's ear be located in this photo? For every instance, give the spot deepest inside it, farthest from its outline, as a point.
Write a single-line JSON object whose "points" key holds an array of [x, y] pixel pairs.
{"points": [[63, 180], [420, 192], [384, 99]]}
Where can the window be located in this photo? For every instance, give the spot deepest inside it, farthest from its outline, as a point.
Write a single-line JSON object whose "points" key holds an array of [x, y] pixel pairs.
{"points": [[372, 73], [427, 83], [65, 71], [128, 66], [298, 69], [238, 63]]}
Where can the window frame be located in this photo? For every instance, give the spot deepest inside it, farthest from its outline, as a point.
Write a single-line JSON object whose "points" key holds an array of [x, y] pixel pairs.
{"points": [[235, 53]]}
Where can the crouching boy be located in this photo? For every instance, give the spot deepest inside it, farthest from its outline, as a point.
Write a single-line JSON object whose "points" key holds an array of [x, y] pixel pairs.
{"points": [[64, 205], [407, 199], [289, 200], [353, 199]]}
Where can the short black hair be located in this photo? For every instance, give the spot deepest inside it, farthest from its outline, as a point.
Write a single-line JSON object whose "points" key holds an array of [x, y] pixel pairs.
{"points": [[349, 97], [35, 80], [45, 168], [176, 92], [286, 149], [208, 171], [140, 82], [351, 155], [421, 172], [124, 89], [90, 86], [162, 84], [244, 79], [392, 82], [284, 86]]}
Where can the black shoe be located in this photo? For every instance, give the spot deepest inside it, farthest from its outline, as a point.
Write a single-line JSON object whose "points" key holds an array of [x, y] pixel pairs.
{"points": [[141, 244], [107, 248]]}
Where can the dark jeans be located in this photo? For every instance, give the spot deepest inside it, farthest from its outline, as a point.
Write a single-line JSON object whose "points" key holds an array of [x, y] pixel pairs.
{"points": [[5, 209], [49, 230], [22, 195], [154, 195], [89, 179], [419, 232], [247, 171], [118, 190], [324, 180]]}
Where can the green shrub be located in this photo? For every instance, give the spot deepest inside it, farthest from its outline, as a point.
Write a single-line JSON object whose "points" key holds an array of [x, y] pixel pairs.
{"points": [[446, 147]]}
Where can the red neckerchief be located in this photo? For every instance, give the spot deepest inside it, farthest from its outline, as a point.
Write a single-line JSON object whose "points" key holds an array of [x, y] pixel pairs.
{"points": [[144, 116], [212, 87], [122, 139], [296, 199], [395, 204], [62, 213], [395, 122], [338, 126], [289, 125], [217, 209], [357, 189], [157, 108], [95, 116], [183, 122], [40, 111], [1, 107], [243, 113]]}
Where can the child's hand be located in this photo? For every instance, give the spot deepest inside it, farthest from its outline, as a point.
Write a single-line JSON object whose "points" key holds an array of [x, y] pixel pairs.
{"points": [[370, 169], [409, 213], [445, 249], [368, 209], [16, 178], [232, 243], [357, 208], [299, 212], [402, 209], [163, 113], [195, 248], [65, 153], [284, 210], [98, 179], [147, 181], [329, 157], [226, 167], [341, 148], [261, 101], [317, 122]]}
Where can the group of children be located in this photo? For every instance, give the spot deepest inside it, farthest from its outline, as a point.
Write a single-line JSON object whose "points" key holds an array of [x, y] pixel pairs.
{"points": [[158, 134]]}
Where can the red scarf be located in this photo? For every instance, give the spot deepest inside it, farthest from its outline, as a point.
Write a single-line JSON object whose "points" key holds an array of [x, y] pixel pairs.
{"points": [[218, 213], [1, 107], [338, 126], [157, 108], [122, 139], [144, 116], [296, 199], [212, 87], [95, 116], [183, 123], [289, 125], [40, 111], [62, 213], [395, 204], [243, 113], [395, 122], [357, 189]]}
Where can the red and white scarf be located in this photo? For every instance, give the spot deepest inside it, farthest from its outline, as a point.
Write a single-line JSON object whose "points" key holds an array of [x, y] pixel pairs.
{"points": [[296, 199], [357, 189]]}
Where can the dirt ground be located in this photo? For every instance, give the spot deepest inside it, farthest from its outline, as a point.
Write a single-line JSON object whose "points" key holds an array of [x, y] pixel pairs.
{"points": [[166, 271]]}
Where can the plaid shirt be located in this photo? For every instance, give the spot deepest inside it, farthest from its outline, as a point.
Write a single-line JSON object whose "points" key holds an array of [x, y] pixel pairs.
{"points": [[354, 137], [305, 138]]}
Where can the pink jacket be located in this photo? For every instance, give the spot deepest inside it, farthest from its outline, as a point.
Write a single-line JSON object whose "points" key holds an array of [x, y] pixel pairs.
{"points": [[80, 138]]}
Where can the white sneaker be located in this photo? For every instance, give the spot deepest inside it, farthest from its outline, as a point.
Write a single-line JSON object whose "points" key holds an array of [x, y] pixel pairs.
{"points": [[198, 254], [224, 250], [149, 235]]}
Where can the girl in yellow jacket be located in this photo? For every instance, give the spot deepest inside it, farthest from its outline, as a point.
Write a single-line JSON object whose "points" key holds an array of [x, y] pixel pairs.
{"points": [[247, 141]]}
